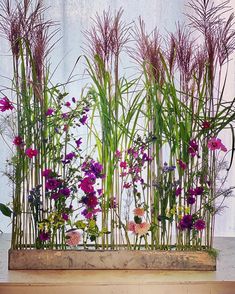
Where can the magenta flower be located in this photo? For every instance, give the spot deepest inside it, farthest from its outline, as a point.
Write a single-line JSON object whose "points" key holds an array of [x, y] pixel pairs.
{"points": [[123, 164], [49, 111], [31, 152], [206, 125], [65, 216], [182, 164], [118, 154], [55, 196], [68, 104], [5, 104], [200, 224], [87, 185], [178, 191], [44, 236], [18, 141], [193, 147], [91, 201], [47, 173], [83, 119], [216, 144], [68, 157], [52, 184], [127, 185], [78, 142]]}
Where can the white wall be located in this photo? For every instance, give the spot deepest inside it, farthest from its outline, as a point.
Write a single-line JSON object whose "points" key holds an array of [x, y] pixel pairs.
{"points": [[75, 16]]}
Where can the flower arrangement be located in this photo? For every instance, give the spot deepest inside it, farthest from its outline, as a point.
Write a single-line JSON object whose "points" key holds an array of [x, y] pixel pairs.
{"points": [[152, 180]]}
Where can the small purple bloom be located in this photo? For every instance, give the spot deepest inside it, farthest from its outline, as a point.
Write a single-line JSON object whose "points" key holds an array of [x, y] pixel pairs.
{"points": [[83, 119], [65, 216], [68, 157], [186, 222], [49, 111], [78, 142], [44, 236], [47, 173], [178, 191], [199, 190], [73, 100]]}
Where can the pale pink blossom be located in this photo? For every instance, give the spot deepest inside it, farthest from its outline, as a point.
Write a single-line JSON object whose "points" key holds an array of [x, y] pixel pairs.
{"points": [[142, 229], [73, 238]]}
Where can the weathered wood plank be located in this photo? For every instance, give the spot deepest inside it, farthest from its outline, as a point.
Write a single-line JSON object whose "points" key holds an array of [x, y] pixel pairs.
{"points": [[71, 259]]}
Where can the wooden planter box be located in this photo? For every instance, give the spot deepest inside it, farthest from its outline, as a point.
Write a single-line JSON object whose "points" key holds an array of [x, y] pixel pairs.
{"points": [[80, 259]]}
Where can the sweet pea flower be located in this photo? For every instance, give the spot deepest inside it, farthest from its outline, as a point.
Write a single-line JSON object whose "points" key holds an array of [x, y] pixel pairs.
{"points": [[193, 147], [49, 112], [216, 144], [5, 104], [47, 173], [73, 238], [52, 184], [83, 119], [182, 164], [78, 142]]}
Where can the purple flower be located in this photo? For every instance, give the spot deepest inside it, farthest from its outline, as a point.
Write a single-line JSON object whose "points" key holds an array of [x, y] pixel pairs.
{"points": [[91, 200], [65, 216], [47, 173], [68, 157], [178, 191], [87, 185], [5, 104], [73, 100], [186, 222], [86, 109], [49, 111], [200, 224], [182, 164], [55, 196], [191, 200], [68, 104], [65, 115], [44, 236], [78, 142], [83, 119], [199, 190], [52, 184], [97, 168], [65, 191]]}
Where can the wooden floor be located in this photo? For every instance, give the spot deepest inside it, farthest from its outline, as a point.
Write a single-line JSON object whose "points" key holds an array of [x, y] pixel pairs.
{"points": [[121, 282]]}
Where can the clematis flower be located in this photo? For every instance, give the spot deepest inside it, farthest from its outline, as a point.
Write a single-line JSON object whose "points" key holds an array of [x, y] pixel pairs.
{"points": [[200, 224], [216, 144], [18, 141], [73, 238], [142, 229], [5, 104], [139, 211], [31, 152]]}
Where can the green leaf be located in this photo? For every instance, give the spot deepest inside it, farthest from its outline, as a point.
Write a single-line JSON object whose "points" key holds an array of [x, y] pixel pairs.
{"points": [[5, 210]]}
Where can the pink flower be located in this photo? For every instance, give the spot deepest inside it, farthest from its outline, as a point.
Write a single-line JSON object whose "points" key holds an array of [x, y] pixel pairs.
{"points": [[127, 185], [73, 238], [139, 211], [123, 164], [216, 144], [182, 164], [193, 147], [68, 104], [18, 141], [131, 226], [5, 104], [142, 229], [118, 154], [31, 152]]}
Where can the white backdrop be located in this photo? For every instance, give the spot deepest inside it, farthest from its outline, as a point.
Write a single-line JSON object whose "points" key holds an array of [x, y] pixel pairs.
{"points": [[74, 16]]}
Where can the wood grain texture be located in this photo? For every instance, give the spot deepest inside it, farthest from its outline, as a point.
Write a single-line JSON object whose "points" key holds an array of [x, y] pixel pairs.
{"points": [[90, 260]]}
